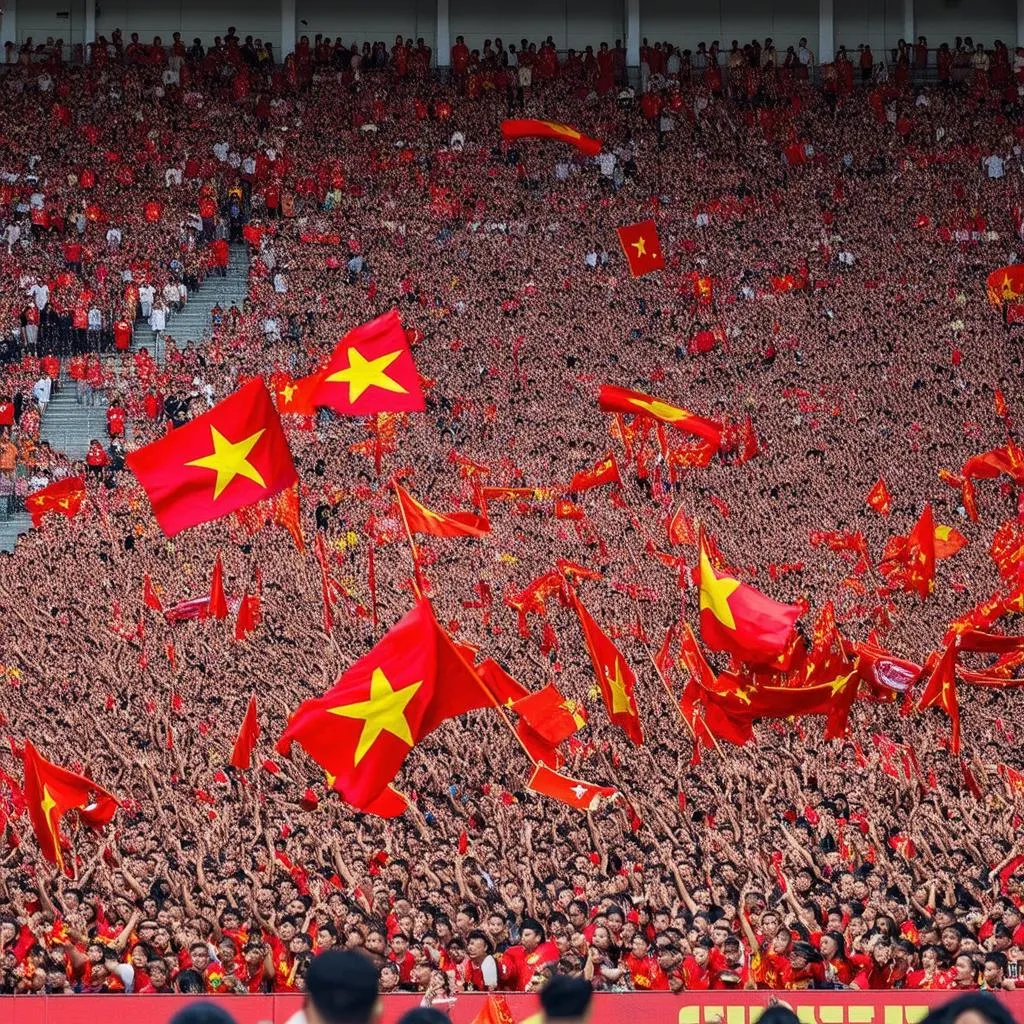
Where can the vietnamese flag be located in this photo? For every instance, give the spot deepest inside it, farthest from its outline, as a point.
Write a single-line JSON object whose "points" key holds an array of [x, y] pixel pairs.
{"points": [[503, 688], [622, 400], [420, 519], [948, 541], [362, 729], [614, 676], [1005, 284], [604, 471], [248, 734], [150, 598], [295, 397], [64, 497], [879, 498], [567, 509], [1008, 460], [920, 555], [940, 692], [532, 128], [50, 792], [584, 796], [232, 456], [372, 371], [680, 529], [641, 247], [551, 715], [735, 617]]}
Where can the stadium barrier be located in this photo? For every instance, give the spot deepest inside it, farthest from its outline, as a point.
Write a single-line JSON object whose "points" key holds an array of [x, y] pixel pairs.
{"points": [[650, 1007]]}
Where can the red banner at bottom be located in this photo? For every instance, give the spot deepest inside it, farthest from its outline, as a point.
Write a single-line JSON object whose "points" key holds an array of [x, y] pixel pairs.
{"points": [[652, 1007]]}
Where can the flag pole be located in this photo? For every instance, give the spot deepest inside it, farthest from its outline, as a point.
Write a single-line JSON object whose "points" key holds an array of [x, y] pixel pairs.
{"points": [[408, 536]]}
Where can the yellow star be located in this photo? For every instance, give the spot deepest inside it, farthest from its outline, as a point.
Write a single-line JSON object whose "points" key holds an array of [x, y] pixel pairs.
{"points": [[715, 591], [620, 699], [288, 391], [574, 709], [230, 459], [641, 246], [660, 409], [839, 683], [563, 129], [330, 779], [49, 804], [361, 374], [384, 711], [741, 695]]}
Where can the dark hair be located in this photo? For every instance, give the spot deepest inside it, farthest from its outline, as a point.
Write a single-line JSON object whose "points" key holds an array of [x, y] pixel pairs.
{"points": [[202, 1013], [534, 926], [985, 1006], [342, 986], [565, 998], [423, 1015], [189, 983], [778, 1015]]}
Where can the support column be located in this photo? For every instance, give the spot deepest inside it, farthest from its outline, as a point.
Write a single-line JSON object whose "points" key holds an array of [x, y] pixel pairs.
{"points": [[90, 30], [443, 49], [1020, 22], [287, 28], [633, 33], [826, 32], [9, 25], [908, 21]]}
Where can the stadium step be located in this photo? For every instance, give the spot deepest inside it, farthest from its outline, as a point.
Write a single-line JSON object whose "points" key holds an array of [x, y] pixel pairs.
{"points": [[69, 427]]}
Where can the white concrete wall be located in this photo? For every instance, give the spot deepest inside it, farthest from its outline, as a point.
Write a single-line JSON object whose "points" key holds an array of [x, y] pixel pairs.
{"points": [[368, 20], [877, 23]]}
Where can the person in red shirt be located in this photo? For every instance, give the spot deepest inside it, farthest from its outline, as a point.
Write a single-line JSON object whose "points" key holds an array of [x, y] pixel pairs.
{"points": [[256, 970], [641, 964], [116, 417], [728, 969], [520, 963], [96, 458], [696, 969], [934, 971], [880, 972], [399, 955], [122, 335]]}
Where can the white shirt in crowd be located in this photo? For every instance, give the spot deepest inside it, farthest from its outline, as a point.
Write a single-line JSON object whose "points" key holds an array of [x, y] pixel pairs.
{"points": [[172, 176], [994, 165], [41, 390]]}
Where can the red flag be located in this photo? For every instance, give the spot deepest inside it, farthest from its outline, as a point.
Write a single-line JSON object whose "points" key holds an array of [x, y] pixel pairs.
{"points": [[295, 397], [948, 541], [970, 782], [879, 498], [531, 128], [149, 595], [217, 608], [372, 371], [920, 555], [539, 750], [614, 676], [680, 529], [584, 796], [420, 519], [248, 617], [286, 514], [232, 456], [737, 618], [64, 497], [551, 715], [940, 691], [567, 510], [50, 792], [494, 1011], [605, 471], [1005, 284], [363, 728], [641, 247], [503, 688], [1007, 460], [621, 400], [248, 734]]}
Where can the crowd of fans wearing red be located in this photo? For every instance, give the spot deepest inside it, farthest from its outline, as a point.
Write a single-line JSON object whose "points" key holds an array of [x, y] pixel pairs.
{"points": [[788, 863]]}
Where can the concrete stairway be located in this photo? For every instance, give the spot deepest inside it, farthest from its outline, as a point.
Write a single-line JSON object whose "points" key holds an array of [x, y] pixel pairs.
{"points": [[69, 427]]}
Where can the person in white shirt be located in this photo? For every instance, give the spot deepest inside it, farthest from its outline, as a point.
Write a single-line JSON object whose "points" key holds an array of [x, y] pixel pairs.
{"points": [[172, 176], [40, 295], [280, 283], [41, 393], [994, 164], [220, 151], [113, 238], [146, 295], [158, 317], [12, 235]]}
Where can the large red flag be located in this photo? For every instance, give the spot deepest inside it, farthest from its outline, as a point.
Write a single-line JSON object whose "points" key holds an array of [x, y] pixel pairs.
{"points": [[582, 795], [420, 519], [605, 471], [1008, 460], [920, 555], [232, 456], [614, 676], [550, 714], [248, 734], [372, 371], [737, 618], [879, 498], [531, 128], [622, 400], [362, 729], [217, 608], [50, 792], [641, 247]]}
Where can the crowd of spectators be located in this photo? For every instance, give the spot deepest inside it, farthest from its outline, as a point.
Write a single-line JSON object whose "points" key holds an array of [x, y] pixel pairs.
{"points": [[786, 863]]}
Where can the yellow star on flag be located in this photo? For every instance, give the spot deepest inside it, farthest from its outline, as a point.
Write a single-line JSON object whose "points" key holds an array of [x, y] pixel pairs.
{"points": [[620, 699], [362, 374], [230, 459], [288, 391], [384, 711], [715, 591], [839, 683], [663, 410], [742, 695], [49, 805], [641, 246]]}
